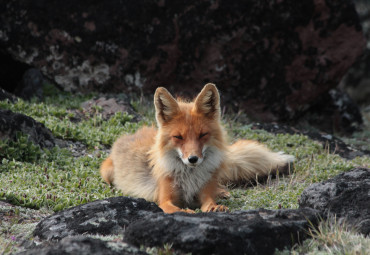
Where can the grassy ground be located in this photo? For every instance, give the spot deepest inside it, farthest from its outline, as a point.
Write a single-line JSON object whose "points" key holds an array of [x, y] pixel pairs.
{"points": [[40, 181]]}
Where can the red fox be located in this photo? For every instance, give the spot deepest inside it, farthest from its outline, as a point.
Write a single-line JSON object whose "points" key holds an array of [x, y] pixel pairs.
{"points": [[184, 162]]}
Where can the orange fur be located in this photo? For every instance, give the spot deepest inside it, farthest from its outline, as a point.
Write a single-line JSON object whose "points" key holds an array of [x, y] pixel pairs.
{"points": [[106, 170], [183, 163]]}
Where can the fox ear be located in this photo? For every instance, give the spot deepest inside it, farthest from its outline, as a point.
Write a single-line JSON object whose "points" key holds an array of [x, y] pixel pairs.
{"points": [[208, 101], [165, 106]]}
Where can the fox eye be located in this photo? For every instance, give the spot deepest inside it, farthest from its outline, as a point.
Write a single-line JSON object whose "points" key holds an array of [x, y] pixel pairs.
{"points": [[202, 135], [178, 137]]}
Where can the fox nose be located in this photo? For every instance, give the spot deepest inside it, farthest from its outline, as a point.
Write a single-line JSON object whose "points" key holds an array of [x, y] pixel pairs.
{"points": [[193, 159]]}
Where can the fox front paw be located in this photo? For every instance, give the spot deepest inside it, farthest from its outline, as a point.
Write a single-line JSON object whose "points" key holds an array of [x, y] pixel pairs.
{"points": [[170, 208], [187, 210], [215, 208]]}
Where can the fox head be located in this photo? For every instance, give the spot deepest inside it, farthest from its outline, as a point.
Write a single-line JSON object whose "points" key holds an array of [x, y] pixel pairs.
{"points": [[190, 128]]}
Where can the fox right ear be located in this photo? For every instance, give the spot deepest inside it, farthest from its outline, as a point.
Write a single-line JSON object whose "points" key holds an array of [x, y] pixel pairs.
{"points": [[208, 101], [165, 106]]}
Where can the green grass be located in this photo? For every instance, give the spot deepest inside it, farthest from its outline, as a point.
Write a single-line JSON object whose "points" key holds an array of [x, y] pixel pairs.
{"points": [[54, 180], [93, 131], [331, 237]]}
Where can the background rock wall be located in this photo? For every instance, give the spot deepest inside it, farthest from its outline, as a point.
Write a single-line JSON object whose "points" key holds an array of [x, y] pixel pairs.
{"points": [[272, 59]]}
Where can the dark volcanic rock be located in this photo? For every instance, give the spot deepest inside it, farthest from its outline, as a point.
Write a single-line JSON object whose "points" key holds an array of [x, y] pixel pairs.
{"points": [[82, 246], [244, 232], [143, 223], [270, 58], [347, 196], [11, 123], [103, 217]]}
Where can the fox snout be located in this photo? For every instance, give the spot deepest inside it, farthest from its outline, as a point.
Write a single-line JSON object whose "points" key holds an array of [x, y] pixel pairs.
{"points": [[192, 160]]}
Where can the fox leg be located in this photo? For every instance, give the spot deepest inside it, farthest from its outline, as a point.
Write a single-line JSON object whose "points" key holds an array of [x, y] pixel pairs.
{"points": [[167, 196], [107, 170], [207, 197]]}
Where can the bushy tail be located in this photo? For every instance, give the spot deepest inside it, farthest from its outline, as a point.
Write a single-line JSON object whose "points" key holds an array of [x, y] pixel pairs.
{"points": [[248, 160], [106, 170]]}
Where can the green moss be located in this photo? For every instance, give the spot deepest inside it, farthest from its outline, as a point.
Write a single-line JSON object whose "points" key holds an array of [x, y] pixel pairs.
{"points": [[20, 149]]}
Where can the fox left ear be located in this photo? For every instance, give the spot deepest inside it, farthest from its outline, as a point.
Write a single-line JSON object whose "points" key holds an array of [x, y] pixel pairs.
{"points": [[208, 101], [166, 107]]}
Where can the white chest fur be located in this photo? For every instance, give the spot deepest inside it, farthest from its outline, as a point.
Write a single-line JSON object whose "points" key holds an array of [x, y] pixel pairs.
{"points": [[190, 180]]}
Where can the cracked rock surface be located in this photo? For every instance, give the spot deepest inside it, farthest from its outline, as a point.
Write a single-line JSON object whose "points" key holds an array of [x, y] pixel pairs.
{"points": [[242, 232], [347, 196], [104, 217]]}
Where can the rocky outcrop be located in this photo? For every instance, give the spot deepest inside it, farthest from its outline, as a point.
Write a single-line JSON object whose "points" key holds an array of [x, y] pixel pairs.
{"points": [[243, 232], [104, 217], [347, 196], [12, 123], [143, 223], [272, 59]]}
